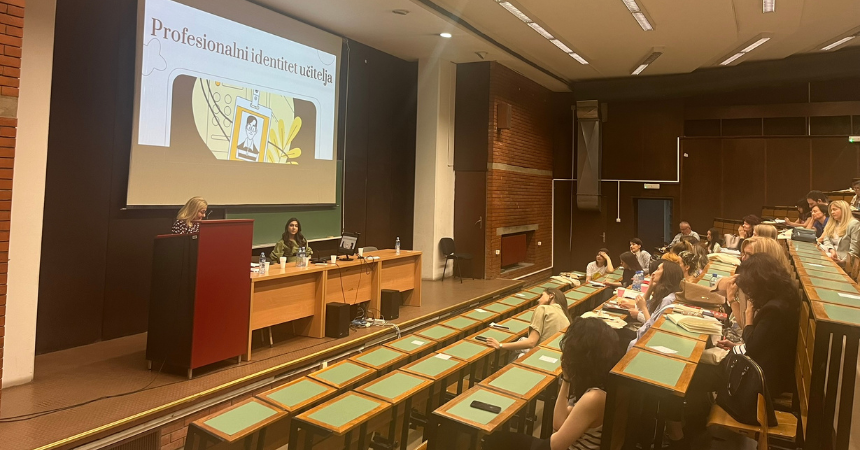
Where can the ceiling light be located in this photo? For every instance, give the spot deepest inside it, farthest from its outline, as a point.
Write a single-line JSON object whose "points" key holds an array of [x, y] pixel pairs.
{"points": [[643, 21], [513, 10], [561, 45], [837, 43], [541, 31], [732, 59], [580, 59], [755, 44], [401, 12], [445, 35], [768, 6], [655, 53], [640, 69], [631, 5]]}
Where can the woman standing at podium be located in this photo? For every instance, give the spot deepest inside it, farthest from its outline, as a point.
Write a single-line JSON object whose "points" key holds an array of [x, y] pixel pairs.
{"points": [[291, 241], [194, 209]]}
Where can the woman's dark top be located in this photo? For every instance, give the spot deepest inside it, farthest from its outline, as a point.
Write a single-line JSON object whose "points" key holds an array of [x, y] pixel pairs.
{"points": [[771, 342], [819, 227], [627, 277], [180, 227]]}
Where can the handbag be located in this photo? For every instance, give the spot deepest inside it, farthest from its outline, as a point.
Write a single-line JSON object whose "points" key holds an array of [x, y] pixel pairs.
{"points": [[732, 242], [738, 393], [803, 235], [699, 295]]}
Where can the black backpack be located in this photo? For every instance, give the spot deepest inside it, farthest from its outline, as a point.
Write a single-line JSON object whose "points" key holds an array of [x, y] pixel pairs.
{"points": [[742, 381]]}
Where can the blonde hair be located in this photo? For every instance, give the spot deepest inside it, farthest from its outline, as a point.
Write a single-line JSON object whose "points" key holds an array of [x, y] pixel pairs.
{"points": [[834, 228], [761, 244], [673, 257], [766, 231], [189, 211]]}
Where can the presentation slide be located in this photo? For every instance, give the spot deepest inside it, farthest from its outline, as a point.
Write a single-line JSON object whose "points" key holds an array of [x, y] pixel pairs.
{"points": [[234, 103]]}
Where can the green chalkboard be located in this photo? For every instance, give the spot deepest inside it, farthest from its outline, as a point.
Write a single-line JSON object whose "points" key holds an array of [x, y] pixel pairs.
{"points": [[318, 222]]}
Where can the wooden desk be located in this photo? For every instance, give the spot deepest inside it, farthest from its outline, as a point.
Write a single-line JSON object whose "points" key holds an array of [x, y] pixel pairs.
{"points": [[412, 345], [833, 285], [553, 342], [395, 388], [475, 421], [240, 421], [516, 327], [527, 384], [299, 294], [542, 359], [383, 359], [664, 324], [439, 333], [685, 348], [343, 375], [297, 395], [340, 417]]}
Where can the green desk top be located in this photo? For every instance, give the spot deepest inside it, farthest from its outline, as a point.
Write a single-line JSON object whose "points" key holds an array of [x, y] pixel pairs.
{"points": [[575, 295], [842, 314], [514, 300], [341, 373], [465, 350], [438, 332], [552, 285], [587, 289], [518, 380], [825, 275], [667, 325], [838, 298], [555, 343], [536, 290], [480, 314], [379, 357], [683, 347], [526, 316], [821, 259], [237, 419], [656, 368], [834, 285], [704, 282], [462, 409], [460, 323], [719, 272], [295, 393], [824, 267], [499, 307], [526, 295], [411, 344], [811, 251], [343, 410], [499, 335], [720, 266], [432, 366], [394, 385], [551, 361], [613, 277], [514, 325]]}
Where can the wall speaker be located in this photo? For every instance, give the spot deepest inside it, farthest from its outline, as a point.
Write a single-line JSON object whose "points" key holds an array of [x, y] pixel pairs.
{"points": [[390, 304], [504, 116], [336, 320]]}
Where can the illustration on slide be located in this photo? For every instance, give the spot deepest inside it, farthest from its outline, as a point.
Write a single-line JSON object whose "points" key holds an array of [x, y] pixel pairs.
{"points": [[243, 124]]}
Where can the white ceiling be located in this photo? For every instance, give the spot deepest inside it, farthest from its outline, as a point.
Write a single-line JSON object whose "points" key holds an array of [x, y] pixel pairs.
{"points": [[692, 33]]}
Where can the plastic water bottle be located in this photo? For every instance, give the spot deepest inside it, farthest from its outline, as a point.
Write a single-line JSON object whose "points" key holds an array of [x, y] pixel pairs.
{"points": [[262, 262], [299, 258], [713, 280], [397, 246], [637, 280]]}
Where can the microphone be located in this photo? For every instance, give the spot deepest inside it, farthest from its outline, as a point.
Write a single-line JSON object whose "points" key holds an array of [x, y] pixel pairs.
{"points": [[206, 217]]}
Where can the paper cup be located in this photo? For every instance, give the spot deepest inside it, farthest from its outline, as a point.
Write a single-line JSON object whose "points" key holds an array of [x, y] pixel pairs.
{"points": [[620, 292], [283, 260], [333, 259], [360, 251], [266, 267]]}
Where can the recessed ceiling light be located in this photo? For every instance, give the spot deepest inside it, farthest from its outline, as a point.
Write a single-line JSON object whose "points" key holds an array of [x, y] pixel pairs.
{"points": [[732, 59], [513, 10], [631, 5], [561, 45], [837, 43], [445, 35], [638, 14], [580, 59], [541, 31], [768, 6], [401, 12], [748, 47], [755, 44], [655, 53]]}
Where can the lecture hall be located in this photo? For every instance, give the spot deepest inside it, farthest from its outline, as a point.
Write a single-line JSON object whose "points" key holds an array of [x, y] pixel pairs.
{"points": [[429, 224]]}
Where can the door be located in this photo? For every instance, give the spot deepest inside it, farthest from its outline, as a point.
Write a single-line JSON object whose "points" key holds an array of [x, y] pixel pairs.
{"points": [[653, 222], [470, 217]]}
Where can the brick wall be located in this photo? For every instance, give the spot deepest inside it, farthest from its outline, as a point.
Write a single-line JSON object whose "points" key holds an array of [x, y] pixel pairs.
{"points": [[521, 194], [11, 34]]}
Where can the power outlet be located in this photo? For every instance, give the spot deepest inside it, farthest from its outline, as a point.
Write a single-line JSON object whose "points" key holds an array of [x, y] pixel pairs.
{"points": [[498, 252]]}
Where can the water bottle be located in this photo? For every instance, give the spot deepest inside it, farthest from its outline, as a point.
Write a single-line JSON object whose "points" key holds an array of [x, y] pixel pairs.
{"points": [[397, 246], [637, 280], [713, 280], [262, 262], [299, 258], [305, 257]]}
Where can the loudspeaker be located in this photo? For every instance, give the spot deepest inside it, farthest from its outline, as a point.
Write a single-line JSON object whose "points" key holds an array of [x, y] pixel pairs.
{"points": [[504, 115], [390, 304], [336, 320]]}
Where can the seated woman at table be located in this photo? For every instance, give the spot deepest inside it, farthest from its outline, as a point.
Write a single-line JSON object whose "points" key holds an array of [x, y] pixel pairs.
{"points": [[820, 217], [690, 266], [665, 282], [805, 219], [631, 265], [601, 265], [766, 231], [550, 317], [589, 351], [643, 256], [714, 242], [291, 241], [841, 236], [194, 209]]}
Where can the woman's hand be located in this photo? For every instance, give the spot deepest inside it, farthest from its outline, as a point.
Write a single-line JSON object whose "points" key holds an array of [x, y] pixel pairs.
{"points": [[634, 313], [732, 289], [726, 344], [640, 301], [493, 343], [627, 303]]}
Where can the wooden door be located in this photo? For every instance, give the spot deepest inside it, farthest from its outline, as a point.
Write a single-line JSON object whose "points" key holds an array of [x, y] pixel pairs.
{"points": [[470, 218]]}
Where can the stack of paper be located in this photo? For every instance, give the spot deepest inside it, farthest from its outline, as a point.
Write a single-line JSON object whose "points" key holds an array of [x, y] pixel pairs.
{"points": [[704, 325]]}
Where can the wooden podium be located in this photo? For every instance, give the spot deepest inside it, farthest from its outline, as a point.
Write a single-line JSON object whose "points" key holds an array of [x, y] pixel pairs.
{"points": [[200, 297]]}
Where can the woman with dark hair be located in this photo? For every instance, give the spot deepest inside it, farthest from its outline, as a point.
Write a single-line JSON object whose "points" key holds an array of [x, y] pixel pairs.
{"points": [[643, 256], [589, 351], [631, 265], [550, 317], [291, 241], [601, 265], [715, 241], [771, 318], [750, 222], [690, 265], [820, 217], [805, 219], [665, 282]]}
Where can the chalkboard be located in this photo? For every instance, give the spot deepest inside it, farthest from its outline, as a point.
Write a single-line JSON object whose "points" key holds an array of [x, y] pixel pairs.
{"points": [[320, 222]]}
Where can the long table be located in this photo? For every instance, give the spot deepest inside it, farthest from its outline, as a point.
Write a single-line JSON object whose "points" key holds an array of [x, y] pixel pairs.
{"points": [[289, 293]]}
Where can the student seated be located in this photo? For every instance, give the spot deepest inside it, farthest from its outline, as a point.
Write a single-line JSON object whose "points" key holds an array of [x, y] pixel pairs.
{"points": [[589, 351], [194, 209], [643, 256], [630, 265], [814, 197], [855, 201], [735, 297], [665, 282], [714, 243], [601, 265], [686, 230], [841, 236], [767, 231], [550, 317], [291, 241], [820, 217], [805, 219], [690, 266]]}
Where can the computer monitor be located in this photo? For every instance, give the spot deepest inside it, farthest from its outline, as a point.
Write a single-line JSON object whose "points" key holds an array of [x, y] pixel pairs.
{"points": [[348, 244]]}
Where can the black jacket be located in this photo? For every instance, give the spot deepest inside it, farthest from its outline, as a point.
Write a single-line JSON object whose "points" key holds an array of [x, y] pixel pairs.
{"points": [[771, 341]]}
